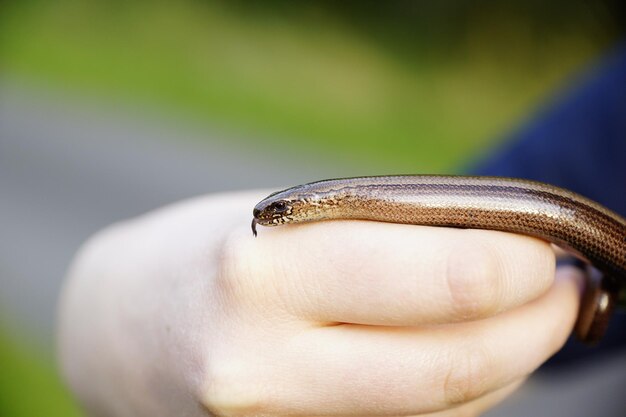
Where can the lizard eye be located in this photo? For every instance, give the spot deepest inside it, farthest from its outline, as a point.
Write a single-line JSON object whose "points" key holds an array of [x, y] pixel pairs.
{"points": [[279, 207]]}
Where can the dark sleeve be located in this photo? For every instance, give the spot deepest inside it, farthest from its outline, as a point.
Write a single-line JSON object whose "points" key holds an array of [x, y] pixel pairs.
{"points": [[577, 142]]}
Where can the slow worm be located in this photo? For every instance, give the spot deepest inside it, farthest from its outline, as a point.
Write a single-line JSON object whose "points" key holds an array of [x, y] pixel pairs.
{"points": [[581, 226]]}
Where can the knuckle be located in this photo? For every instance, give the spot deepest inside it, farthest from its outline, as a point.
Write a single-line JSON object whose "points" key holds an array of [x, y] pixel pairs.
{"points": [[528, 268], [472, 278], [541, 265], [232, 253], [236, 268], [467, 375], [250, 279]]}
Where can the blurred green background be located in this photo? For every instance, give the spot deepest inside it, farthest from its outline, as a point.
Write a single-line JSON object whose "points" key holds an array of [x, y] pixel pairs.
{"points": [[400, 86]]}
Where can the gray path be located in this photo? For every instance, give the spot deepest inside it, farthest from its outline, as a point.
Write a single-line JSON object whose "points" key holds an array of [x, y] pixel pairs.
{"points": [[67, 169]]}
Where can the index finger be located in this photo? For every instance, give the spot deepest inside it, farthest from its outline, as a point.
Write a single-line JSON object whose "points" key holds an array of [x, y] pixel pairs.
{"points": [[390, 274]]}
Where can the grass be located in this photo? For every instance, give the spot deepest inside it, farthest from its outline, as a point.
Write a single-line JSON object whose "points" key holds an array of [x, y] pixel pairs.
{"points": [[29, 384], [305, 81]]}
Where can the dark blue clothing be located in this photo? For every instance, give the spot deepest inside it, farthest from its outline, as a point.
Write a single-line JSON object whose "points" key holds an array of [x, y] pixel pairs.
{"points": [[577, 142]]}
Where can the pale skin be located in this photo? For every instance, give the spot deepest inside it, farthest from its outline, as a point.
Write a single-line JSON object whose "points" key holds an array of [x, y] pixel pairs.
{"points": [[182, 312]]}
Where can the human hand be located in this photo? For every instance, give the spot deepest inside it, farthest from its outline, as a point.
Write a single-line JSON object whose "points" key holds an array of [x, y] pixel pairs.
{"points": [[183, 312]]}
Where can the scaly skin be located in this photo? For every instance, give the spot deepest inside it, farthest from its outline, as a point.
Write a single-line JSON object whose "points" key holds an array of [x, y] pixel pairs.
{"points": [[567, 219]]}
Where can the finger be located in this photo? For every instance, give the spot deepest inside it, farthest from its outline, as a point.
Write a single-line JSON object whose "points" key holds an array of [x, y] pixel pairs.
{"points": [[390, 274], [372, 370]]}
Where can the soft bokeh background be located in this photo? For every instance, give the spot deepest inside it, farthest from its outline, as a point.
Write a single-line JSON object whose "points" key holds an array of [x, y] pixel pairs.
{"points": [[109, 109]]}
